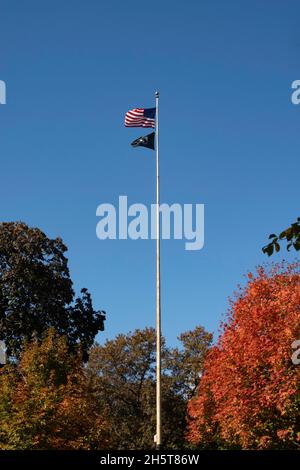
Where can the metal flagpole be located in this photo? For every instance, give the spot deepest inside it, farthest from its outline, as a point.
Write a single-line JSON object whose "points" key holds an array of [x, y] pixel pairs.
{"points": [[158, 304]]}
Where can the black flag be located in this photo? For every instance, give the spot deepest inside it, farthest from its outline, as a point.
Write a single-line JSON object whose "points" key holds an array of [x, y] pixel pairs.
{"points": [[145, 141]]}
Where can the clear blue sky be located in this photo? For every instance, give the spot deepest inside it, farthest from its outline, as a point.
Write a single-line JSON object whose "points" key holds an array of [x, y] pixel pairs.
{"points": [[229, 139]]}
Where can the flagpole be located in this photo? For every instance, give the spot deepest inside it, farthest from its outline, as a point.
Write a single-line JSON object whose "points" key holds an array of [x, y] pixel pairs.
{"points": [[158, 303]]}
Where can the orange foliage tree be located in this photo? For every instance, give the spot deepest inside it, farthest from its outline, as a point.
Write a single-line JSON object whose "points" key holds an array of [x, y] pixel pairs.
{"points": [[46, 401], [248, 396]]}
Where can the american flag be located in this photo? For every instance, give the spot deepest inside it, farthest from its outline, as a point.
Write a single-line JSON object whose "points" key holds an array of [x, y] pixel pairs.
{"points": [[139, 117]]}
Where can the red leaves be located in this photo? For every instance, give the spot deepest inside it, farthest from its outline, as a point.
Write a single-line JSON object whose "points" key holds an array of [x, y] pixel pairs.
{"points": [[249, 394]]}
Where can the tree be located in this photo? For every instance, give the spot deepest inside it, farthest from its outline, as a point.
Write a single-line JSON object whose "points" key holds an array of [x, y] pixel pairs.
{"points": [[291, 235], [186, 363], [123, 371], [248, 396], [36, 291], [50, 400], [46, 401]]}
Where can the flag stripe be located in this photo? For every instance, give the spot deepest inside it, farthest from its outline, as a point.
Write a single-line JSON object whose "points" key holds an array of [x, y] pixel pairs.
{"points": [[138, 121]]}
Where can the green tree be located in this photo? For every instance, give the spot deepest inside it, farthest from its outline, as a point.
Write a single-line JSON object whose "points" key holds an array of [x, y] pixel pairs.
{"points": [[123, 373], [186, 363], [36, 291]]}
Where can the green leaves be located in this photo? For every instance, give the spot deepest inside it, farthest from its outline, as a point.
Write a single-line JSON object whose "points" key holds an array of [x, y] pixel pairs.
{"points": [[123, 375], [291, 235], [36, 291]]}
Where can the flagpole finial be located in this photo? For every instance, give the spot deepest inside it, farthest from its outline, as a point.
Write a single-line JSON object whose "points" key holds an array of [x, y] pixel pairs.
{"points": [[157, 94]]}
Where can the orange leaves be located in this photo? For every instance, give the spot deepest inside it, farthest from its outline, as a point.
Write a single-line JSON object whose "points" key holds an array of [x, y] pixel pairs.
{"points": [[249, 393], [45, 401]]}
